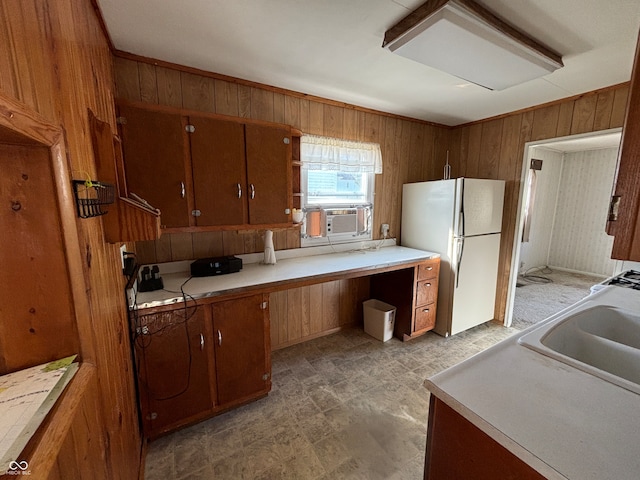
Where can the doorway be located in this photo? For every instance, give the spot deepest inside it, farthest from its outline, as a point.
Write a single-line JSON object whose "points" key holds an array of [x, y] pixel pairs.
{"points": [[560, 245]]}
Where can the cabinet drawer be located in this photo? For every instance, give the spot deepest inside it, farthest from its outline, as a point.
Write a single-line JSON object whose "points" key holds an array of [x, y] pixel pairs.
{"points": [[429, 269], [426, 291], [425, 317]]}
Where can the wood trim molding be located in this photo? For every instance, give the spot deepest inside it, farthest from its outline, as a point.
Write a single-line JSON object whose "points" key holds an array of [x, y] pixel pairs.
{"points": [[45, 445], [103, 25], [23, 126], [185, 112]]}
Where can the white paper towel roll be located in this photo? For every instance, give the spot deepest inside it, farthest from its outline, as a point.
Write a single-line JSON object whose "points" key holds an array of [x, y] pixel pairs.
{"points": [[269, 251]]}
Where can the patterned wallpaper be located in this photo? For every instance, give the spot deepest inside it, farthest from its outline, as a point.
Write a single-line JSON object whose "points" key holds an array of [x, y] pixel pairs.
{"points": [[572, 199], [535, 253], [579, 241]]}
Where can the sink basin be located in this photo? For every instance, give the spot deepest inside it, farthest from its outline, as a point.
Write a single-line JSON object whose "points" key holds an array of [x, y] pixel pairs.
{"points": [[601, 340]]}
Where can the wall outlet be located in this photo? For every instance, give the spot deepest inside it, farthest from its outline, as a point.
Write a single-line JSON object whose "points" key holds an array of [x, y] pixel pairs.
{"points": [[384, 229], [123, 250], [144, 330]]}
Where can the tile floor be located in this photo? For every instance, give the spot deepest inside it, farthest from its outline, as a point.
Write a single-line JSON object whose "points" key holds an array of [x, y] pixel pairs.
{"points": [[345, 406]]}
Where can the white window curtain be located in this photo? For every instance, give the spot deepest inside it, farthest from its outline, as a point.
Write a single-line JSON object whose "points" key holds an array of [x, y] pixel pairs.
{"points": [[334, 154]]}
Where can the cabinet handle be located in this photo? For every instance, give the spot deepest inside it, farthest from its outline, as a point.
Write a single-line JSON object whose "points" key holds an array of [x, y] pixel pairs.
{"points": [[429, 268], [219, 338], [201, 342], [182, 191], [239, 191], [427, 284], [425, 310], [253, 191]]}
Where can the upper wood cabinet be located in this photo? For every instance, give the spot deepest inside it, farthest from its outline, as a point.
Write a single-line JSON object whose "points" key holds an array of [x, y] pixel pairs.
{"points": [[155, 147], [268, 174], [220, 171], [207, 171], [127, 220], [624, 219]]}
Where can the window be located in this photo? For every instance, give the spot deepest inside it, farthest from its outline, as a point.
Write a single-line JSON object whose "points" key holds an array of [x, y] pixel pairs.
{"points": [[338, 188], [337, 176]]}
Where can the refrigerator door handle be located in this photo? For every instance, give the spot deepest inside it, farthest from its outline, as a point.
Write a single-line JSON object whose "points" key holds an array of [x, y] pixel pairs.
{"points": [[461, 224], [460, 251]]}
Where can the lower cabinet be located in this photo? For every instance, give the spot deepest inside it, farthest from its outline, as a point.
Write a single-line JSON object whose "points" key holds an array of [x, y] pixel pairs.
{"points": [[197, 361], [414, 293], [173, 366], [242, 348], [457, 449]]}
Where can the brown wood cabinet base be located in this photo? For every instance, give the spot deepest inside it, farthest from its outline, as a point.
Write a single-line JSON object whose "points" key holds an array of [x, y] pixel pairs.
{"points": [[414, 293], [458, 450], [195, 362]]}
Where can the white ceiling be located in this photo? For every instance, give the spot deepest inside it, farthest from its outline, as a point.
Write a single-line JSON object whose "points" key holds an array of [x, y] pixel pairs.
{"points": [[332, 49]]}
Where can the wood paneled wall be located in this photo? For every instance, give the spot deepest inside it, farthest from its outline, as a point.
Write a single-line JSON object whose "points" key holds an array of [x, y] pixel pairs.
{"points": [[70, 447], [408, 147], [412, 150], [303, 313], [494, 149], [55, 59]]}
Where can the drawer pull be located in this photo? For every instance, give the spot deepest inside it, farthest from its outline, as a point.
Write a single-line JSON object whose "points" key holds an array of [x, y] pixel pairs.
{"points": [[182, 190], [427, 284], [201, 342], [239, 191], [253, 191], [429, 268], [425, 310], [219, 338]]}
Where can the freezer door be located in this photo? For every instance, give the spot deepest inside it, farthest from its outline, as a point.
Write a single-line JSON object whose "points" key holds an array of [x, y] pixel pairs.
{"points": [[473, 283], [427, 216], [479, 205]]}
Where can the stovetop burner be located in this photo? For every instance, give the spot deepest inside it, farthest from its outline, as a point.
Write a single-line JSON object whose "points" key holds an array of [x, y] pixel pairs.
{"points": [[628, 279], [632, 275]]}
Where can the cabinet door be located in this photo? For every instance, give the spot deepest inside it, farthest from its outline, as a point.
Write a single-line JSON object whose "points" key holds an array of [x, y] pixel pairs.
{"points": [[242, 348], [458, 449], [219, 171], [626, 225], [155, 151], [172, 357], [268, 173]]}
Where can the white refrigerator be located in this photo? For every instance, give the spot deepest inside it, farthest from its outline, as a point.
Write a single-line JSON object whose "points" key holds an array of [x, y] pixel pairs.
{"points": [[460, 219]]}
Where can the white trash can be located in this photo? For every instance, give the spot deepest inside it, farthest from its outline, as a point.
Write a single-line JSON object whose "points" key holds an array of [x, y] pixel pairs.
{"points": [[379, 319]]}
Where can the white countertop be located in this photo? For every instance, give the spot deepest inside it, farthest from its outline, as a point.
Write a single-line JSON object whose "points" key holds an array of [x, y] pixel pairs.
{"points": [[564, 422], [285, 270]]}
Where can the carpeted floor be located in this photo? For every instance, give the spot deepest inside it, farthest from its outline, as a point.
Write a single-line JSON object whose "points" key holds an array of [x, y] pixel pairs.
{"points": [[536, 301]]}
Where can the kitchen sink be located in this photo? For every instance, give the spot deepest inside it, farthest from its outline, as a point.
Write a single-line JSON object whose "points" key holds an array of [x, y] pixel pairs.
{"points": [[601, 340]]}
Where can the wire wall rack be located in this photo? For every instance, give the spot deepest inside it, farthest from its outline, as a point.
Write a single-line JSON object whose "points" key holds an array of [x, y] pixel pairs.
{"points": [[91, 196]]}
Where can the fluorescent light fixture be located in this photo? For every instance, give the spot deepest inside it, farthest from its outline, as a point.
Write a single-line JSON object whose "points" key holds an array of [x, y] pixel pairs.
{"points": [[464, 39]]}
